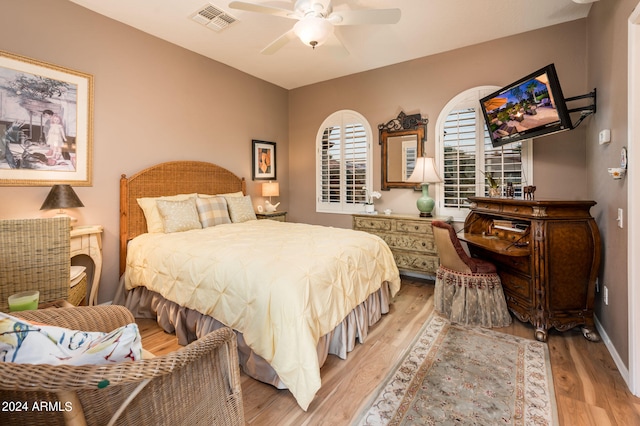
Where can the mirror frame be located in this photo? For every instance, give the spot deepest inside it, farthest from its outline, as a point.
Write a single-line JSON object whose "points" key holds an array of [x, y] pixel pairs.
{"points": [[403, 125]]}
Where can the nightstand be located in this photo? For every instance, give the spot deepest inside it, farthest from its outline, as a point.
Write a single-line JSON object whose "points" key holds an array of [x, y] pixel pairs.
{"points": [[279, 216], [87, 240]]}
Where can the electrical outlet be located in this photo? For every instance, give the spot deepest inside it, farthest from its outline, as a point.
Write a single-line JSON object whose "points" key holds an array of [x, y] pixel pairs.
{"points": [[605, 295]]}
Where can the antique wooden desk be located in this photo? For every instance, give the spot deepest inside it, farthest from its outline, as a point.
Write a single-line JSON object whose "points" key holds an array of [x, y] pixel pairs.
{"points": [[547, 254]]}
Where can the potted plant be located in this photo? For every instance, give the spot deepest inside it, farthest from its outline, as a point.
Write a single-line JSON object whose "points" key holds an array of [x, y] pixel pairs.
{"points": [[494, 186], [369, 196]]}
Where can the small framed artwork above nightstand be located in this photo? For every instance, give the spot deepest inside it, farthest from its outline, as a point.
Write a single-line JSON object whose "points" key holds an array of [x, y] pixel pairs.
{"points": [[279, 216]]}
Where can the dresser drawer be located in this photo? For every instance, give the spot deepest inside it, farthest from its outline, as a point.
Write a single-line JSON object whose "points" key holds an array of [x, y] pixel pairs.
{"points": [[520, 264], [415, 262], [371, 224], [418, 243], [411, 227], [515, 284]]}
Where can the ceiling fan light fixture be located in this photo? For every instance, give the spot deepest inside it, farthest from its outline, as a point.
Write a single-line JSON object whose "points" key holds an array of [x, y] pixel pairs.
{"points": [[313, 30]]}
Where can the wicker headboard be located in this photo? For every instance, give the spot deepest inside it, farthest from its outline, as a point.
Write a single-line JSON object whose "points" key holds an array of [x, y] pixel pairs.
{"points": [[172, 178]]}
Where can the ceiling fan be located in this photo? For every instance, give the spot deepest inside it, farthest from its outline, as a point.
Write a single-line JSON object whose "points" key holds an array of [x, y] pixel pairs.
{"points": [[316, 21]]}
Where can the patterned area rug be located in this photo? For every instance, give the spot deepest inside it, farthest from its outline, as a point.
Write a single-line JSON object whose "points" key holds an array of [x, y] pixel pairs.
{"points": [[456, 375]]}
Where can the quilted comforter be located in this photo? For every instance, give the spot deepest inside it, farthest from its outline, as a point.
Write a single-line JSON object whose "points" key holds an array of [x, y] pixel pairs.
{"points": [[282, 285]]}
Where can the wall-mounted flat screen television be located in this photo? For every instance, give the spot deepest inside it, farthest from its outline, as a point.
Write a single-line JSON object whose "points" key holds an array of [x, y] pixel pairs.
{"points": [[531, 107]]}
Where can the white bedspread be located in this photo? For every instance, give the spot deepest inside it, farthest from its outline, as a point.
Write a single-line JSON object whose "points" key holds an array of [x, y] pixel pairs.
{"points": [[283, 285]]}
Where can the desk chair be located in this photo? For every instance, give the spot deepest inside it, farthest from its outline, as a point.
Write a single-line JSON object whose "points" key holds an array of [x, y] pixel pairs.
{"points": [[34, 255], [468, 290]]}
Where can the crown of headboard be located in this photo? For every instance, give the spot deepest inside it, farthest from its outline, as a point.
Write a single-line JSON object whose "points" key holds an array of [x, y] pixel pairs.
{"points": [[171, 178]]}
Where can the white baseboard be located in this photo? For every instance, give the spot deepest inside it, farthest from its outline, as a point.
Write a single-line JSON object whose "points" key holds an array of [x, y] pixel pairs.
{"points": [[624, 371]]}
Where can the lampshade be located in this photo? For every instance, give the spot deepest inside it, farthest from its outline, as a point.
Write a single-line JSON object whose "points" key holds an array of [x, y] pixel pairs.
{"points": [[425, 171], [313, 30], [61, 197], [271, 189]]}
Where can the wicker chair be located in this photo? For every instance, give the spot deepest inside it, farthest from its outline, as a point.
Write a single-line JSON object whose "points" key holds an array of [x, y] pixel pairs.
{"points": [[468, 290], [34, 255], [198, 384]]}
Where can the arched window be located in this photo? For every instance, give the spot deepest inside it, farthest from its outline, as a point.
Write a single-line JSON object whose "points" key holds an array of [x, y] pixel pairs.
{"points": [[343, 162], [465, 154]]}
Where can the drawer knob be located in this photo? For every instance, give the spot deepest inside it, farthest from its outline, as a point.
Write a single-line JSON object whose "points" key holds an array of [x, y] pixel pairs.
{"points": [[516, 209], [416, 227]]}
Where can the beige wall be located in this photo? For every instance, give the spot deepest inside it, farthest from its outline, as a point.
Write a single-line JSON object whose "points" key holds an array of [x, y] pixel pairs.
{"points": [[425, 86], [154, 102], [607, 71]]}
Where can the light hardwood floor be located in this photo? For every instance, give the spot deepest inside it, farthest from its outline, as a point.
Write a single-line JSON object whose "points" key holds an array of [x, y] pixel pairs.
{"points": [[589, 389]]}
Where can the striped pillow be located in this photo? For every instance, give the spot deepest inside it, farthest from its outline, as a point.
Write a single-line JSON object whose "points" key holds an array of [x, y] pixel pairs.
{"points": [[212, 211]]}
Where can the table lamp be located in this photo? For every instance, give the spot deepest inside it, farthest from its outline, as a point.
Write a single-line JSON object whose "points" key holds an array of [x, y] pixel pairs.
{"points": [[62, 197], [271, 189], [425, 173]]}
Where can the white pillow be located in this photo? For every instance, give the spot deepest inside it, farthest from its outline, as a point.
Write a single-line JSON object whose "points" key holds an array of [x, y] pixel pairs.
{"points": [[240, 209], [151, 213], [212, 211], [178, 216], [27, 343]]}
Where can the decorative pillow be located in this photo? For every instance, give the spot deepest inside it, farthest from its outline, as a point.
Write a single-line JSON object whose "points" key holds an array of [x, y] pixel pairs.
{"points": [[240, 209], [178, 216], [212, 211], [151, 213], [27, 343], [230, 194]]}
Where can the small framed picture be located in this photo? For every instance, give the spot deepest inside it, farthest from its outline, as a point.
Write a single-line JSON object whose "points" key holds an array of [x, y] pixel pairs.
{"points": [[264, 160]]}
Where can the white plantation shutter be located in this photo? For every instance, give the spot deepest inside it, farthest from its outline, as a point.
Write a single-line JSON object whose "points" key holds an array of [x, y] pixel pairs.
{"points": [[465, 152], [459, 152], [343, 162]]}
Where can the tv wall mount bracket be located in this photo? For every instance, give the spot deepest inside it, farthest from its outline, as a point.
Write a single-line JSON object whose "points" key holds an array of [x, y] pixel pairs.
{"points": [[586, 110]]}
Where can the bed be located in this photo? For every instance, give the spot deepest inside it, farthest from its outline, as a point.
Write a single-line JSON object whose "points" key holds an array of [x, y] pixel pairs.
{"points": [[291, 293]]}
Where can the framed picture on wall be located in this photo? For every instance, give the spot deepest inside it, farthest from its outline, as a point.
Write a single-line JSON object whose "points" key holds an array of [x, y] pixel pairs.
{"points": [[45, 123], [264, 160]]}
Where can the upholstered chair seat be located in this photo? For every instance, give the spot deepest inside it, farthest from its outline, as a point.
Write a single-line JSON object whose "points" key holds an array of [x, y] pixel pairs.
{"points": [[468, 290]]}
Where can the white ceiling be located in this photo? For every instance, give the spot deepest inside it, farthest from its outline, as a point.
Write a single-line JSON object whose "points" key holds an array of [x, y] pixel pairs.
{"points": [[425, 28]]}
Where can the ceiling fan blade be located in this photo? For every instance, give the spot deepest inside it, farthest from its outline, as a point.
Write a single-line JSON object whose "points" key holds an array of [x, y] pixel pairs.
{"points": [[278, 43], [260, 8], [335, 46], [365, 17]]}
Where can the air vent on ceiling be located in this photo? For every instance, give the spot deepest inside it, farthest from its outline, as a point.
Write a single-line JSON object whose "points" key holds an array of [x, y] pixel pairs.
{"points": [[213, 17]]}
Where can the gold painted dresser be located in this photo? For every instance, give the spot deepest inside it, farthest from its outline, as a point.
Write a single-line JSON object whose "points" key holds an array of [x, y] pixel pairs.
{"points": [[410, 239]]}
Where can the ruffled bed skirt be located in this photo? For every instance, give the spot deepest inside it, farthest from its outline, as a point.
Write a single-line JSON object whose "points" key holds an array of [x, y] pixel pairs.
{"points": [[190, 325], [471, 299]]}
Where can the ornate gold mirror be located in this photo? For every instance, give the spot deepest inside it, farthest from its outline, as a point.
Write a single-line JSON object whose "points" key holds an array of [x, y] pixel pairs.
{"points": [[402, 141]]}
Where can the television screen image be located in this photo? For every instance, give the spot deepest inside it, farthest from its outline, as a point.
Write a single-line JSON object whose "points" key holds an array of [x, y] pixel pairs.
{"points": [[531, 107]]}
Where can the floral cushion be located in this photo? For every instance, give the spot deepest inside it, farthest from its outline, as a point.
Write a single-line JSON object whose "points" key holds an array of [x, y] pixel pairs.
{"points": [[28, 343], [178, 216], [240, 209], [151, 213]]}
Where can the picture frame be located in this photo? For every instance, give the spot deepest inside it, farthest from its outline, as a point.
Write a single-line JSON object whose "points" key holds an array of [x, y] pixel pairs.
{"points": [[264, 160], [46, 123]]}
